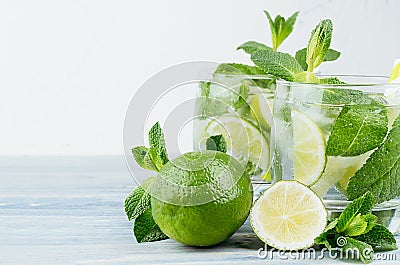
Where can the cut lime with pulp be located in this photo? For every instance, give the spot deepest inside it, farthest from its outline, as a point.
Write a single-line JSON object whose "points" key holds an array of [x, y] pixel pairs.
{"points": [[309, 149], [243, 139], [288, 216]]}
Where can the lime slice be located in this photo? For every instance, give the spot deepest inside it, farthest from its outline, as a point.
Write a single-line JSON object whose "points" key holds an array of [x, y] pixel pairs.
{"points": [[395, 75], [261, 107], [309, 149], [288, 216], [392, 94], [244, 140], [338, 171]]}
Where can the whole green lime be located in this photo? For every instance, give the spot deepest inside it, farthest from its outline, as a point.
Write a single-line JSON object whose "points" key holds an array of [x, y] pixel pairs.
{"points": [[201, 198]]}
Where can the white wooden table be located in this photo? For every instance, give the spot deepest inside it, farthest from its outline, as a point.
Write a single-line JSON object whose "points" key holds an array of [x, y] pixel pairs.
{"points": [[70, 211]]}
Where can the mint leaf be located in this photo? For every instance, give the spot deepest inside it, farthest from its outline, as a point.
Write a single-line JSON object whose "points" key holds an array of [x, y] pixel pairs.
{"points": [[138, 201], [280, 28], [281, 65], [338, 96], [360, 224], [371, 221], [252, 46], [146, 230], [357, 130], [331, 81], [381, 172], [301, 58], [360, 206], [318, 44], [358, 250], [356, 227], [331, 55], [158, 151], [142, 157], [379, 237], [217, 143], [238, 69]]}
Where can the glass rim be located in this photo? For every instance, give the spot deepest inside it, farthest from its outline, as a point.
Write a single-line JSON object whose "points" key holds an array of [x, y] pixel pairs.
{"points": [[384, 82], [266, 76]]}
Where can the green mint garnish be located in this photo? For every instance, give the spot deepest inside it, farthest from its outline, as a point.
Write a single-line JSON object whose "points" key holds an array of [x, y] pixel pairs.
{"points": [[280, 28], [357, 130], [238, 69], [138, 201], [318, 44], [142, 157], [281, 65], [356, 233], [381, 172], [217, 143], [146, 230], [353, 212], [155, 157], [138, 208], [379, 238], [331, 55], [158, 151], [331, 81], [252, 46], [137, 204]]}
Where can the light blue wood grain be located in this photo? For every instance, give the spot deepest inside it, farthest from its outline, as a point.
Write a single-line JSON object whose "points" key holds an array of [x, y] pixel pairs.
{"points": [[70, 211]]}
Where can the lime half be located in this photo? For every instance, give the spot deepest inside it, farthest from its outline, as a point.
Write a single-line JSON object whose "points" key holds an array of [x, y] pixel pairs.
{"points": [[288, 216], [309, 149], [243, 139]]}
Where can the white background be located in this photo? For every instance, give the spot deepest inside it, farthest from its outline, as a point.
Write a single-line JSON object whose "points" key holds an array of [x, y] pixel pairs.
{"points": [[69, 68]]}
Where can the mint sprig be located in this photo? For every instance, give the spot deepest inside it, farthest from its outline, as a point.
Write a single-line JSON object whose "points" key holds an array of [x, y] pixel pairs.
{"points": [[155, 157], [138, 204], [318, 44], [280, 28], [356, 233]]}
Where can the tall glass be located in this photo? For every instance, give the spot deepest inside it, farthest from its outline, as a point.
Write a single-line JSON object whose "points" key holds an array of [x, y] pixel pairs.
{"points": [[341, 140], [238, 107]]}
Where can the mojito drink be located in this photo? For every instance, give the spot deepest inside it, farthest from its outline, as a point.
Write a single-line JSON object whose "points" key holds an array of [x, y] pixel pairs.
{"points": [[238, 107], [341, 140]]}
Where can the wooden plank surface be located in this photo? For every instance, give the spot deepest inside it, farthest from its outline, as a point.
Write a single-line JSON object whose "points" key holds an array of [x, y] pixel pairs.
{"points": [[69, 210]]}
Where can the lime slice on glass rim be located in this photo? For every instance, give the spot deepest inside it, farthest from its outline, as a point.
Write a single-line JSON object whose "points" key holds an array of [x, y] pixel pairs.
{"points": [[288, 216], [309, 149], [243, 139]]}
